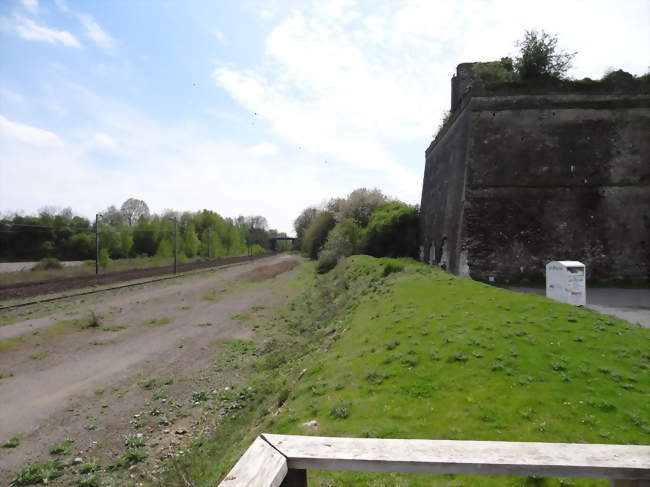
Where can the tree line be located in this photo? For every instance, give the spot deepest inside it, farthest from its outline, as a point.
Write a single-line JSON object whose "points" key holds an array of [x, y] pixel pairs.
{"points": [[364, 222], [130, 231]]}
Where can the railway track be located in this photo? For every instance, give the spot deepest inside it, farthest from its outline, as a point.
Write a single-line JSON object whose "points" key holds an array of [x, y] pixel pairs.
{"points": [[40, 288]]}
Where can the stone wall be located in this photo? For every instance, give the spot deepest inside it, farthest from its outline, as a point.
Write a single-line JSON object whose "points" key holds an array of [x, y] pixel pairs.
{"points": [[515, 181]]}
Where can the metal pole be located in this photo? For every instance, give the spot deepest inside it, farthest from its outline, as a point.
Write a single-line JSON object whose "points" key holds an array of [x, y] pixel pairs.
{"points": [[96, 243], [208, 243], [175, 232]]}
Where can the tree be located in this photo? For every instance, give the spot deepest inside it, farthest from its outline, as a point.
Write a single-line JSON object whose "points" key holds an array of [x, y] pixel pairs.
{"points": [[359, 204], [190, 241], [316, 234], [304, 219], [539, 59], [393, 231], [133, 209]]}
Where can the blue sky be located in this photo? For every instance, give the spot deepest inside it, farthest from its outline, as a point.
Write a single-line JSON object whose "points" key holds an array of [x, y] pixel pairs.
{"points": [[255, 107]]}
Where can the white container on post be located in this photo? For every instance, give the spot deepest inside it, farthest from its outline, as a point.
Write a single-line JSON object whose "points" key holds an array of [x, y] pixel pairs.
{"points": [[566, 282]]}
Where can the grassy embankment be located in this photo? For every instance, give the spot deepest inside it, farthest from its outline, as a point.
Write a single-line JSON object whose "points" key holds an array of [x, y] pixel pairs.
{"points": [[395, 349]]}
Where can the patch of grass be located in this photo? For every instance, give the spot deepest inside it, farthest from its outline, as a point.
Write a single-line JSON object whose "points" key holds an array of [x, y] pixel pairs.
{"points": [[39, 473], [62, 448], [240, 317], [424, 354], [114, 328], [130, 457], [204, 324], [5, 375], [12, 442], [91, 465], [160, 321], [87, 480], [135, 441], [39, 355], [185, 308]]}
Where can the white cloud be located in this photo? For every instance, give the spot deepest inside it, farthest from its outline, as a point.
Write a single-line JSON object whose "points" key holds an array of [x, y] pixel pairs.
{"points": [[31, 5], [29, 30], [264, 149], [27, 134], [95, 33], [219, 35], [104, 140]]}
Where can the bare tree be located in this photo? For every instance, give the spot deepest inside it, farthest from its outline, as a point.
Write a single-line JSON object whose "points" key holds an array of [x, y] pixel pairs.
{"points": [[133, 209]]}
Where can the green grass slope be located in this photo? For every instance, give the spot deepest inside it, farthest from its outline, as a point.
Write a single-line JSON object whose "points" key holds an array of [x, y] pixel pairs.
{"points": [[425, 354], [390, 348]]}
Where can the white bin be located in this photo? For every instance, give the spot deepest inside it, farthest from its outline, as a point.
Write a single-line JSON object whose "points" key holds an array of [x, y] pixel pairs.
{"points": [[566, 282]]}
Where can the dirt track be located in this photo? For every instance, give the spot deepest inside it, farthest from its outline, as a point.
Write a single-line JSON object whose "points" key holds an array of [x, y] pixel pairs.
{"points": [[63, 379], [36, 288]]}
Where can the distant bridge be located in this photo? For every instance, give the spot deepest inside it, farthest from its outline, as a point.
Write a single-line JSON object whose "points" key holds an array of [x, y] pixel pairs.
{"points": [[274, 241]]}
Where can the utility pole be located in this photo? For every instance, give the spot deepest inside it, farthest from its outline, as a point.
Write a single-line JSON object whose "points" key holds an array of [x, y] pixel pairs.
{"points": [[97, 215], [208, 244]]}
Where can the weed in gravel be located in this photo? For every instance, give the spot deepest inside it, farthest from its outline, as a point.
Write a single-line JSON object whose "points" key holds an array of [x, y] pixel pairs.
{"points": [[91, 465], [87, 480], [131, 457], [39, 355], [160, 321], [62, 448], [4, 375], [12, 442], [134, 441], [185, 308], [39, 473], [204, 324], [114, 328]]}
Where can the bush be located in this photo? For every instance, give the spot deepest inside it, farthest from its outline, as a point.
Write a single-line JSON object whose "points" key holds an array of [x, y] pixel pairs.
{"points": [[393, 231], [104, 258], [48, 263], [345, 239], [327, 260], [538, 58], [316, 234]]}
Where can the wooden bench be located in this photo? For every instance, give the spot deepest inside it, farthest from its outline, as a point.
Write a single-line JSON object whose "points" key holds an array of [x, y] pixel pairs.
{"points": [[283, 460]]}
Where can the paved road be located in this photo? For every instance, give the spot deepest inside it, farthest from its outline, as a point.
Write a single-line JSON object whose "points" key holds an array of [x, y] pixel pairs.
{"points": [[632, 305]]}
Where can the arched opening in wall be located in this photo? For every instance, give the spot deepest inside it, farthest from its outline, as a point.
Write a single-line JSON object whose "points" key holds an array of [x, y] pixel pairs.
{"points": [[432, 253], [444, 254]]}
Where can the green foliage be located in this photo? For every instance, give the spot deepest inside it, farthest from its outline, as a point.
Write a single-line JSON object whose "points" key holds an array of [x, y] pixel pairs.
{"points": [[48, 263], [358, 205], [539, 59], [495, 71], [62, 448], [190, 241], [39, 473], [12, 442], [87, 480], [303, 221], [393, 231], [327, 260], [104, 258], [316, 234]]}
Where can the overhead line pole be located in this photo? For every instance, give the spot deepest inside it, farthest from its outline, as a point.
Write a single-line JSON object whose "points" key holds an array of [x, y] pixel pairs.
{"points": [[97, 215]]}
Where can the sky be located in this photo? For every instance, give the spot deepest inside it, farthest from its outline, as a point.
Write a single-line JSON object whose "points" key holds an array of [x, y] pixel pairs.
{"points": [[256, 107]]}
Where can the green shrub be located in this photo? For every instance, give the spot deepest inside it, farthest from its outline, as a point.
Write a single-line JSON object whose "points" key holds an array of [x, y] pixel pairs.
{"points": [[48, 263], [12, 442], [393, 231], [327, 261], [39, 473], [316, 234], [104, 258], [538, 57]]}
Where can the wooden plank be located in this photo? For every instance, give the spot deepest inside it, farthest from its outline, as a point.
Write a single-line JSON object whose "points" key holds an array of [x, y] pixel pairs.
{"points": [[465, 457], [260, 466]]}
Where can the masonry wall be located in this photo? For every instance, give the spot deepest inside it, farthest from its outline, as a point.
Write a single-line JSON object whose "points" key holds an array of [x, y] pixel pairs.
{"points": [[525, 179]]}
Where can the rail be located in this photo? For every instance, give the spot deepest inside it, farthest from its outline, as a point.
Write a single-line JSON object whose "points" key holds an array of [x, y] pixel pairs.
{"points": [[283, 460]]}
